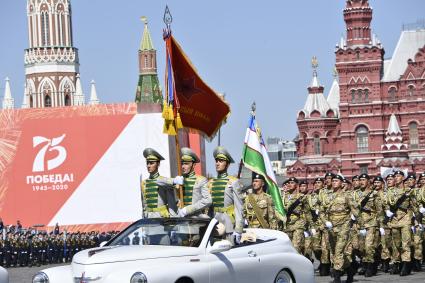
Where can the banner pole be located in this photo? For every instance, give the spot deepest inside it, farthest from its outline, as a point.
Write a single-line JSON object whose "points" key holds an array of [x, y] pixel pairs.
{"points": [[179, 168]]}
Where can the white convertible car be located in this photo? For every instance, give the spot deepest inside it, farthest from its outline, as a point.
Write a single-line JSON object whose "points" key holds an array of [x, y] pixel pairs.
{"points": [[183, 250]]}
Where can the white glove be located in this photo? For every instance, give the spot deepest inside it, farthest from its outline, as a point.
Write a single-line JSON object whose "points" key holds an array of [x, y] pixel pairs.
{"points": [[313, 231], [422, 210], [382, 231], [362, 232], [306, 234], [238, 237], [317, 212], [421, 227], [182, 212], [245, 222], [328, 225], [353, 217], [389, 213], [178, 180], [413, 229]]}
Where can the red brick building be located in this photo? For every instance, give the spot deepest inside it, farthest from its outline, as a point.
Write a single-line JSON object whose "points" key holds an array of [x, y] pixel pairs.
{"points": [[374, 115]]}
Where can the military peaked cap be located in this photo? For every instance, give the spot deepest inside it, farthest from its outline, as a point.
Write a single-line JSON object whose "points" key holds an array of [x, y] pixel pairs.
{"points": [[221, 153], [346, 181], [152, 155], [318, 179], [355, 177], [422, 175], [303, 182], [391, 175], [257, 176], [364, 176], [411, 176], [189, 155]]}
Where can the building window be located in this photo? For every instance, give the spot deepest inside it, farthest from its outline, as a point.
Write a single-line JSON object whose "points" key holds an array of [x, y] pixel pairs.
{"points": [[392, 94], [67, 100], [44, 28], [31, 102], [359, 96], [363, 169], [47, 101], [362, 136], [316, 140], [366, 95], [413, 135], [410, 90], [146, 61], [353, 96]]}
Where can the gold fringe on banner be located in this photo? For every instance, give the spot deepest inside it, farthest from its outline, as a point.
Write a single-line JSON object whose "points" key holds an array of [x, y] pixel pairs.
{"points": [[179, 121]]}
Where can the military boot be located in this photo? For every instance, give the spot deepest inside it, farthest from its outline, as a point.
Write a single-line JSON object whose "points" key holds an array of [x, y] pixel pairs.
{"points": [[362, 269], [324, 269], [395, 269], [405, 268], [369, 269], [351, 271], [386, 265], [417, 265], [337, 276]]}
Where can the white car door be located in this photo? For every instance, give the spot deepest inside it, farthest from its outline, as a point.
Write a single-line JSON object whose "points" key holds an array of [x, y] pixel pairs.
{"points": [[239, 264]]}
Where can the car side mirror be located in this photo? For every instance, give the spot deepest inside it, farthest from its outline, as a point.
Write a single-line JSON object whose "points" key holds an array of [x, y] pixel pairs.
{"points": [[220, 246], [103, 243]]}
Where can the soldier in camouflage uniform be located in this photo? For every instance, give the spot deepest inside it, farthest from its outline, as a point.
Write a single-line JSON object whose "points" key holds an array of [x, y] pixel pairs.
{"points": [[420, 196], [227, 204], [370, 220], [418, 191], [335, 211], [312, 215], [325, 256], [258, 206], [295, 203], [384, 231], [157, 193], [197, 198], [400, 204]]}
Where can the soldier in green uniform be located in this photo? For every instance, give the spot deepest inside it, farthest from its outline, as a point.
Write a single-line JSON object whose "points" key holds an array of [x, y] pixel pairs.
{"points": [[258, 206], [157, 193], [400, 204], [196, 196], [384, 231], [370, 220], [227, 204], [336, 210], [325, 259], [295, 204], [316, 226], [354, 246], [420, 197], [418, 227]]}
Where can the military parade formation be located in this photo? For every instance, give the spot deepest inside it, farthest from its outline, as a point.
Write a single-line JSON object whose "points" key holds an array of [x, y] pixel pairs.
{"points": [[351, 227], [35, 248]]}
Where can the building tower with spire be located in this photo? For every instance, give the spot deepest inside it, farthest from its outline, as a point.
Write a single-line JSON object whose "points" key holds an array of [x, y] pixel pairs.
{"points": [[94, 100], [51, 61], [377, 105], [8, 101], [148, 88]]}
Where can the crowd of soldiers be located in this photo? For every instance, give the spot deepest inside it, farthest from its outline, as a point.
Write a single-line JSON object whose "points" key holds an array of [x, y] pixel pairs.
{"points": [[26, 247], [349, 226]]}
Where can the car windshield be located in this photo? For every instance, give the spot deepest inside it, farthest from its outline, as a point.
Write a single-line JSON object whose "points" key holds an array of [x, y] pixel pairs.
{"points": [[165, 232]]}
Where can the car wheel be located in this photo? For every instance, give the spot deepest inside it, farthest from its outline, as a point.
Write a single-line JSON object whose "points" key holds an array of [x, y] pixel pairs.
{"points": [[284, 277]]}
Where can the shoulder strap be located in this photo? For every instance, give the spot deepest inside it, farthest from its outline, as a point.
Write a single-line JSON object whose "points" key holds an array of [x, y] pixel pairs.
{"points": [[257, 212]]}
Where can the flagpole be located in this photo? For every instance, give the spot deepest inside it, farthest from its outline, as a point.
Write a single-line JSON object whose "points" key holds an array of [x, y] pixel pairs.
{"points": [[253, 108], [168, 19]]}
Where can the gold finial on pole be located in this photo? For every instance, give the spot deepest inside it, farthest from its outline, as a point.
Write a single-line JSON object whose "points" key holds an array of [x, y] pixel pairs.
{"points": [[144, 19]]}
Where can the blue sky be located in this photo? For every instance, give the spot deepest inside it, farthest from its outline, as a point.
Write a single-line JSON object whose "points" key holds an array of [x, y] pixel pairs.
{"points": [[251, 50]]}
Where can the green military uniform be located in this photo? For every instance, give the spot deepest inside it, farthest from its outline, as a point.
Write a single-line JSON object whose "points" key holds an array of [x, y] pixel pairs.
{"points": [[316, 226], [259, 209], [157, 194], [419, 211], [370, 220], [354, 241], [336, 210], [385, 237], [295, 205], [196, 195], [400, 224], [227, 203]]}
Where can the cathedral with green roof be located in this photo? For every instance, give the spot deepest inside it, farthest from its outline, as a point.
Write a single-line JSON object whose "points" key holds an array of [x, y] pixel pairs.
{"points": [[148, 88]]}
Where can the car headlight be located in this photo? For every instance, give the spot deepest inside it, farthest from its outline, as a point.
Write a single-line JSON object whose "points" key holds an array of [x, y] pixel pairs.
{"points": [[138, 277], [40, 277]]}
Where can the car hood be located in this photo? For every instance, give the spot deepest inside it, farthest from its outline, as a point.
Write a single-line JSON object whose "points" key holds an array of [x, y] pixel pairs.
{"points": [[131, 253]]}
